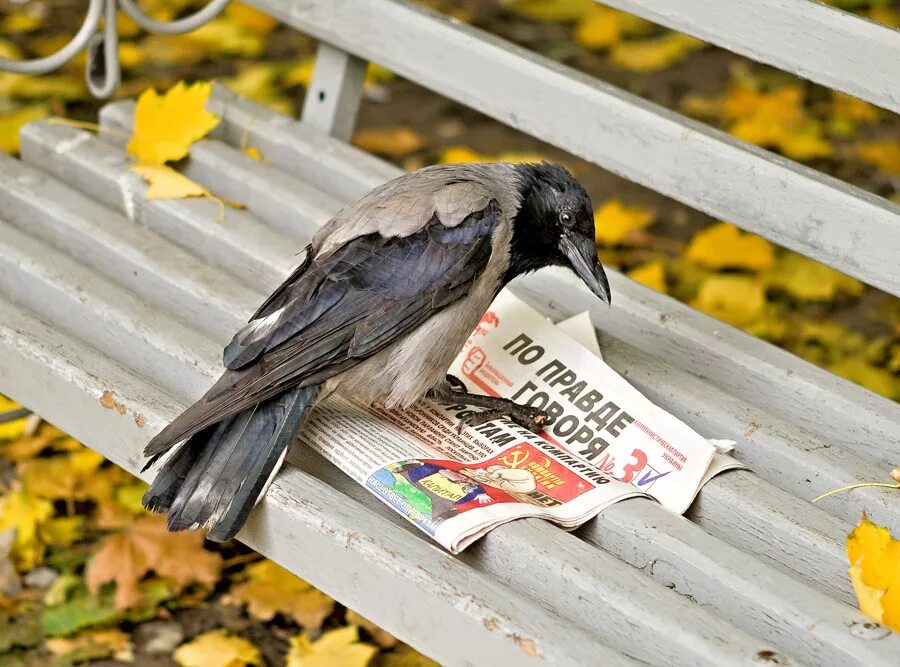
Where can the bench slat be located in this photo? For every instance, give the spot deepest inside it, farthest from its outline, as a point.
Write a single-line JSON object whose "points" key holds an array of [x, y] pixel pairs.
{"points": [[810, 39], [748, 368], [436, 603], [792, 205]]}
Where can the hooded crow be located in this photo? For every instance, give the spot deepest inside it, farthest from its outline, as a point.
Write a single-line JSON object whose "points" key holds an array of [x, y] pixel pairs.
{"points": [[385, 297]]}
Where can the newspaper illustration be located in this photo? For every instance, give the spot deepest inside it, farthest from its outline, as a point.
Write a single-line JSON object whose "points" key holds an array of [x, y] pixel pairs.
{"points": [[606, 443]]}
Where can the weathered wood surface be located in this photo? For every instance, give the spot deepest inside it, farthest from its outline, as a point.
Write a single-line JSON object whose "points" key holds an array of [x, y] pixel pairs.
{"points": [[334, 93], [807, 542], [810, 39], [788, 203]]}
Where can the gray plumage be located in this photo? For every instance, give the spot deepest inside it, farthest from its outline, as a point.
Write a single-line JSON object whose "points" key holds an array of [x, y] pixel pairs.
{"points": [[386, 294]]}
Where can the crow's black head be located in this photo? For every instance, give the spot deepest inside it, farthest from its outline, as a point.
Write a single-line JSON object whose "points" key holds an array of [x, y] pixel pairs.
{"points": [[555, 226]]}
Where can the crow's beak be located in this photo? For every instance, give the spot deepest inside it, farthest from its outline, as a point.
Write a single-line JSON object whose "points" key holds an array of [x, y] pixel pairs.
{"points": [[582, 256]]}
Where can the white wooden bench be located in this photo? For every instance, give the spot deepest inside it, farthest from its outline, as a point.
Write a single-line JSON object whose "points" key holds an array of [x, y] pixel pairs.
{"points": [[114, 309]]}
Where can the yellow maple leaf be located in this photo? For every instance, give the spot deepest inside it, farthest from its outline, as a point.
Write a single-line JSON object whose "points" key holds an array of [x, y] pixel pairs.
{"points": [[25, 514], [883, 154], [250, 18], [602, 27], [404, 656], [166, 183], [217, 648], [875, 572], [145, 545], [390, 141], [11, 122], [738, 300], [614, 222], [847, 112], [226, 36], [808, 280], [14, 429], [654, 54], [723, 245], [550, 11], [651, 274], [166, 125], [856, 369], [336, 647], [269, 589], [380, 636], [20, 22], [93, 645], [257, 82], [63, 531], [65, 477]]}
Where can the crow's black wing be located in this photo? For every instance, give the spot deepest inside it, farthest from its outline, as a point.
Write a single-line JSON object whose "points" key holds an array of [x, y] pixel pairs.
{"points": [[344, 307]]}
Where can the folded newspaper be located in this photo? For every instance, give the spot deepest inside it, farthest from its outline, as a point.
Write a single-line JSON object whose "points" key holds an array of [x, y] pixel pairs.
{"points": [[607, 442]]}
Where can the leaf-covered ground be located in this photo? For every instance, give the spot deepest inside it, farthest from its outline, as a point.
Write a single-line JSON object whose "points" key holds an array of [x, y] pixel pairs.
{"points": [[86, 576]]}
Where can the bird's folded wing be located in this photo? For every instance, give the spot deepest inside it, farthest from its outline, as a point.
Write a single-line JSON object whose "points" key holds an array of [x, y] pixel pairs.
{"points": [[340, 308]]}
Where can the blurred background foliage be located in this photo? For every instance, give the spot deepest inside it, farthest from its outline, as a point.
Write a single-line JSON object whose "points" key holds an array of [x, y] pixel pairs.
{"points": [[87, 576]]}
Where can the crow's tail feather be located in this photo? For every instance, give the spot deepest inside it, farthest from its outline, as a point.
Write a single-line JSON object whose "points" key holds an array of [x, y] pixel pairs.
{"points": [[216, 477]]}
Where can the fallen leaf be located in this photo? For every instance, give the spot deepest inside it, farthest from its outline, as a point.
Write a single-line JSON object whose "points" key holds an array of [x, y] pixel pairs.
{"points": [[257, 82], [737, 300], [614, 222], [886, 15], [392, 141], [602, 27], [651, 274], [125, 558], [62, 477], [270, 589], [655, 54], [166, 126], [335, 647], [20, 22], [253, 152], [883, 154], [875, 572], [549, 11], [217, 648], [403, 656], [808, 280], [381, 637], [93, 645], [11, 122], [847, 112], [14, 429], [858, 370], [24, 514], [723, 245], [250, 18], [63, 531], [166, 183]]}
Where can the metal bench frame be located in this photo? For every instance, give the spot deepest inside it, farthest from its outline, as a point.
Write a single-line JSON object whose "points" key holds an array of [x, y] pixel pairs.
{"points": [[108, 328]]}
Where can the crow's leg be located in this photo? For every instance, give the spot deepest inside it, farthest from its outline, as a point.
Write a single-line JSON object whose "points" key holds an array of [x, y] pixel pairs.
{"points": [[454, 391]]}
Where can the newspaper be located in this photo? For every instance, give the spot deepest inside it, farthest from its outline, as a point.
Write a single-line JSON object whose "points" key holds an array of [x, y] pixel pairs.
{"points": [[607, 442]]}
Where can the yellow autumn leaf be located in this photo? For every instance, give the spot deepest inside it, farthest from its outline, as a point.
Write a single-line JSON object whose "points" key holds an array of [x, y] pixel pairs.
{"points": [[403, 656], [226, 36], [847, 112], [651, 274], [738, 300], [257, 82], [550, 11], [20, 22], [11, 122], [217, 648], [886, 15], [166, 183], [883, 154], [614, 221], [380, 636], [723, 245], [250, 18], [654, 54], [14, 429], [92, 645], [269, 589], [63, 531], [166, 125], [390, 141], [25, 514], [858, 370], [875, 572], [61, 477], [336, 647], [808, 280], [602, 27]]}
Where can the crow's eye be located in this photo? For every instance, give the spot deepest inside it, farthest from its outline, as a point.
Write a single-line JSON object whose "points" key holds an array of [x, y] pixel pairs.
{"points": [[566, 218]]}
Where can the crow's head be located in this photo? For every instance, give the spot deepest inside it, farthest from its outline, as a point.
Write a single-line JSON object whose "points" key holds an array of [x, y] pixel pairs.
{"points": [[555, 226]]}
